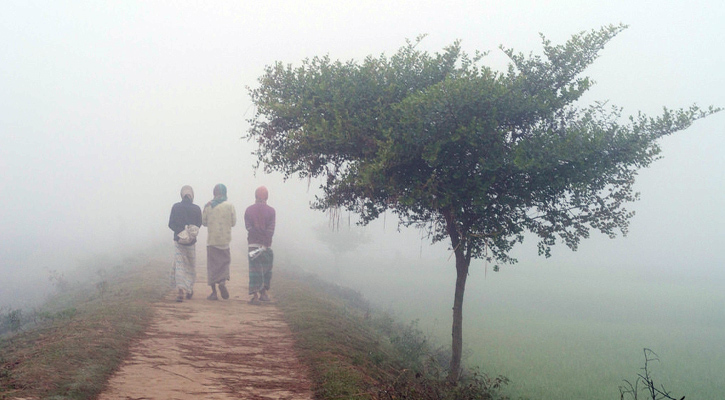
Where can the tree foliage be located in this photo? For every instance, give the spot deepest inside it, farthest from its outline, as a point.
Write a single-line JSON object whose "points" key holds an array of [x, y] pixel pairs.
{"points": [[471, 155], [418, 134]]}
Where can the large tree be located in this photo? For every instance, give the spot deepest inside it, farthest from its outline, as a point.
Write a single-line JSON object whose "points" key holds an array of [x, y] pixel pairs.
{"points": [[469, 154]]}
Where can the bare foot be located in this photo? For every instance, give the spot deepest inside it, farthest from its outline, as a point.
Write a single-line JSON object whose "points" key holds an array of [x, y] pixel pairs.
{"points": [[223, 290]]}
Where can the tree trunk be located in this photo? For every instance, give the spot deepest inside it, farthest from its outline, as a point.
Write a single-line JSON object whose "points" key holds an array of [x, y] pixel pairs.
{"points": [[457, 331], [462, 263]]}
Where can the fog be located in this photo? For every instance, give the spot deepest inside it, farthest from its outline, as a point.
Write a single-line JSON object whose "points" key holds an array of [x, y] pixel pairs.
{"points": [[106, 110]]}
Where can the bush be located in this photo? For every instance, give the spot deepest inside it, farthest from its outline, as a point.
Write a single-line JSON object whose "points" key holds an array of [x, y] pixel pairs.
{"points": [[12, 321]]}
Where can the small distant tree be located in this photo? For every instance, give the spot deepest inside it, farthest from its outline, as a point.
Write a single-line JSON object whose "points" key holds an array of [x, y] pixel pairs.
{"points": [[102, 284], [468, 154], [14, 319], [340, 240], [58, 280]]}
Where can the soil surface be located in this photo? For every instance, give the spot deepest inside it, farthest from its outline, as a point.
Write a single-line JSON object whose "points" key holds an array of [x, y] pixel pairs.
{"points": [[204, 349]]}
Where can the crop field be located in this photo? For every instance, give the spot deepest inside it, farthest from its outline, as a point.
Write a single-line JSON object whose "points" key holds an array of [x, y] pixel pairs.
{"points": [[561, 333]]}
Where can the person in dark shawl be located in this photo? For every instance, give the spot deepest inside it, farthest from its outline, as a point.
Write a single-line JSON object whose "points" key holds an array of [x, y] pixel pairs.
{"points": [[260, 219], [183, 268], [219, 217]]}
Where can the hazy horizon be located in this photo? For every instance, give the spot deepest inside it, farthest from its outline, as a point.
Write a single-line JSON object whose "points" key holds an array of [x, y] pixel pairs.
{"points": [[106, 110]]}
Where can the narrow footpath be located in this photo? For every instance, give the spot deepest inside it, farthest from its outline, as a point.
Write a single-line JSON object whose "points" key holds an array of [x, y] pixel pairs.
{"points": [[203, 349]]}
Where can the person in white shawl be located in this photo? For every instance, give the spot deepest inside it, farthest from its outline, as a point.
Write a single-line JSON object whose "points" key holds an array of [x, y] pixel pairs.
{"points": [[219, 217]]}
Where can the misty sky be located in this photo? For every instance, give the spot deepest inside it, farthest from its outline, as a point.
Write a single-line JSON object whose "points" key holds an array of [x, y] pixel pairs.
{"points": [[108, 108]]}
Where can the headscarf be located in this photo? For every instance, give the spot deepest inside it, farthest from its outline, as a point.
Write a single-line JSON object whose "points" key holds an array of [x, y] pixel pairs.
{"points": [[186, 190], [220, 195], [261, 194]]}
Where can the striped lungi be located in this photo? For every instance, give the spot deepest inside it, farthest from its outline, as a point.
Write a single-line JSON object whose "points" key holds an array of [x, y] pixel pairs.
{"points": [[260, 270], [183, 267]]}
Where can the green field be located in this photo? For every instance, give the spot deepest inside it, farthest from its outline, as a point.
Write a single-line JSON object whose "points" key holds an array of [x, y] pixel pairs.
{"points": [[550, 358], [567, 333]]}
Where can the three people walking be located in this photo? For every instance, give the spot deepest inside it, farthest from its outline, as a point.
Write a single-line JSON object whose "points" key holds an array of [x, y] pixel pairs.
{"points": [[219, 217]]}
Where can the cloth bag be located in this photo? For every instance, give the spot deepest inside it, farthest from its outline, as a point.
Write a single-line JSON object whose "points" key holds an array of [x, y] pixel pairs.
{"points": [[188, 235]]}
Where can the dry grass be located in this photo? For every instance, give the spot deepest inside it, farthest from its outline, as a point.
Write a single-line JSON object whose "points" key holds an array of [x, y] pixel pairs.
{"points": [[330, 339], [355, 352], [83, 335]]}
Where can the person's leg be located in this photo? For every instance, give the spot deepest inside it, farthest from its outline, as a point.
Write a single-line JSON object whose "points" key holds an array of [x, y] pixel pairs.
{"points": [[191, 270], [185, 271], [267, 283], [223, 290], [267, 262], [177, 266], [224, 259], [255, 277], [209, 268], [213, 295], [254, 299], [214, 273]]}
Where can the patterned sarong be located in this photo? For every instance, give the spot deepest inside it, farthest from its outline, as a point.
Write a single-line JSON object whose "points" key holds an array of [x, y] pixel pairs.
{"points": [[183, 267], [260, 271], [217, 265]]}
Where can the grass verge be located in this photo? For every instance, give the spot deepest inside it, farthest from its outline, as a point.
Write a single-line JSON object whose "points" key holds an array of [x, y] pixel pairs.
{"points": [[356, 352], [73, 344]]}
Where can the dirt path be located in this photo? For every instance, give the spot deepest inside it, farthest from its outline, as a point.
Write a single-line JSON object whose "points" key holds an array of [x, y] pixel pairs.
{"points": [[226, 349]]}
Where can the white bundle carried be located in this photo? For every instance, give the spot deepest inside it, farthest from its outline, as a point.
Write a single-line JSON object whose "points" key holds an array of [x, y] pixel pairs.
{"points": [[256, 252], [188, 235]]}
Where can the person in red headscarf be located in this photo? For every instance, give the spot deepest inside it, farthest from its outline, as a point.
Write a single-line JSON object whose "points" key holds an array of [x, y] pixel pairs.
{"points": [[260, 219]]}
